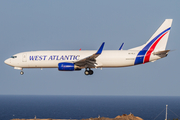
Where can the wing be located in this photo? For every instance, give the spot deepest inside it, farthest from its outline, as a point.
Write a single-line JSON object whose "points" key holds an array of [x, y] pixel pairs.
{"points": [[91, 60]]}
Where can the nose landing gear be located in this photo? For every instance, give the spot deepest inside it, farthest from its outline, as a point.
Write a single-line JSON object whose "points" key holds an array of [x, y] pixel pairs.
{"points": [[88, 72], [21, 72]]}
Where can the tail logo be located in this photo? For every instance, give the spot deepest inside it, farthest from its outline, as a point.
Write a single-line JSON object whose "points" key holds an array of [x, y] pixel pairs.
{"points": [[144, 55]]}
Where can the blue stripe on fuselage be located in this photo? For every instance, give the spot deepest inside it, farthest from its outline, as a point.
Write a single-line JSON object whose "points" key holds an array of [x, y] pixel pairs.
{"points": [[140, 57]]}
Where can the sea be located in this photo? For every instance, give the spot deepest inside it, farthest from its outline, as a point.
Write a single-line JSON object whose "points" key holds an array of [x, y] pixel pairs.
{"points": [[79, 107]]}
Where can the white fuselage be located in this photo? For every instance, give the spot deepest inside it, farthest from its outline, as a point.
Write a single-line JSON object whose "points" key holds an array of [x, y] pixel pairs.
{"points": [[50, 59]]}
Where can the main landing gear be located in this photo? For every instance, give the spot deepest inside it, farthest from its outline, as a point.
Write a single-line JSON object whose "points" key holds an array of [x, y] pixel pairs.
{"points": [[88, 72]]}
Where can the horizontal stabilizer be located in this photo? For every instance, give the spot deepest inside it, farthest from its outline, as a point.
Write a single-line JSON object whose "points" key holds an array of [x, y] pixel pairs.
{"points": [[161, 52]]}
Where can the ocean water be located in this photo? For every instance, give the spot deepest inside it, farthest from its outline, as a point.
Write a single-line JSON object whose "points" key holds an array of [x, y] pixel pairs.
{"points": [[78, 107]]}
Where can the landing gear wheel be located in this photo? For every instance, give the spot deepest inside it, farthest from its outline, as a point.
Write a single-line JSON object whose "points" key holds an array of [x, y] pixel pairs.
{"points": [[86, 72], [90, 72], [21, 72]]}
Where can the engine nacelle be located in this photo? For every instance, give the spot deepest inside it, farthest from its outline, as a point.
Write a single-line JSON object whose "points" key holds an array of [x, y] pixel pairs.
{"points": [[64, 66]]}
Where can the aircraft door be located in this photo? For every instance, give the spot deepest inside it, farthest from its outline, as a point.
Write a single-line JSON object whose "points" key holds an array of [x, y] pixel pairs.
{"points": [[24, 57]]}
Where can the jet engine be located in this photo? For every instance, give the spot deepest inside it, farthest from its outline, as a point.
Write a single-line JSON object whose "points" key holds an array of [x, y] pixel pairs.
{"points": [[67, 67]]}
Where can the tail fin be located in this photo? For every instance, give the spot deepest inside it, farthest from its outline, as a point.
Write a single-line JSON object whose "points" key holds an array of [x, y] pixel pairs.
{"points": [[159, 39]]}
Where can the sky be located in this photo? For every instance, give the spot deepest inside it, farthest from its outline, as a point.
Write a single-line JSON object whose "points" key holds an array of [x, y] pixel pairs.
{"points": [[33, 25]]}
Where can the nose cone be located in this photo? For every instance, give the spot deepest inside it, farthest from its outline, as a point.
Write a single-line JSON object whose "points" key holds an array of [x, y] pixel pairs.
{"points": [[7, 61]]}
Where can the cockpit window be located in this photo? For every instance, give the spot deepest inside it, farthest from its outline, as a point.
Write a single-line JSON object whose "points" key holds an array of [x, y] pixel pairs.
{"points": [[13, 56]]}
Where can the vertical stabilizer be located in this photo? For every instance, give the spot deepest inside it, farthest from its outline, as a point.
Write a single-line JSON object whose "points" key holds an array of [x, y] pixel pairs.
{"points": [[159, 39], [155, 44]]}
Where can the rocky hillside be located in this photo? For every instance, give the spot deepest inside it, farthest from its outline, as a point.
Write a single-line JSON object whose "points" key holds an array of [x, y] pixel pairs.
{"points": [[123, 117]]}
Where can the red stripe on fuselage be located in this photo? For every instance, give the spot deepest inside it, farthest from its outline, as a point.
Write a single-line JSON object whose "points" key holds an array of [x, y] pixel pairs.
{"points": [[148, 54]]}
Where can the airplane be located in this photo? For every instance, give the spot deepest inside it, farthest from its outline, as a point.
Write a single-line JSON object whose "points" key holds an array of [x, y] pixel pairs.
{"points": [[152, 50]]}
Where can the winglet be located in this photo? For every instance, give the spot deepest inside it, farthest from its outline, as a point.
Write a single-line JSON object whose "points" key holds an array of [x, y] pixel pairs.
{"points": [[121, 46], [100, 49]]}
